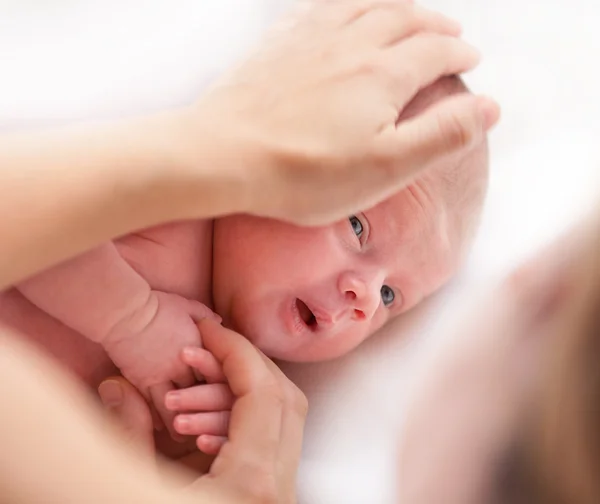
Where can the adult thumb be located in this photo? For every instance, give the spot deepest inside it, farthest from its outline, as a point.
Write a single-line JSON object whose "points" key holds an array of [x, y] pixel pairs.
{"points": [[452, 125], [130, 412]]}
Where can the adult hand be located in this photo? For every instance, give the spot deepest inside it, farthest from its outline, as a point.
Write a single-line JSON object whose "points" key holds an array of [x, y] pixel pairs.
{"points": [[131, 412], [259, 460], [312, 118]]}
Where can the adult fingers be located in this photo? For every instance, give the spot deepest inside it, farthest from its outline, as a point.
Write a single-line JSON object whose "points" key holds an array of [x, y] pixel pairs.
{"points": [[264, 400], [292, 429], [249, 465], [131, 411], [394, 21], [452, 125], [256, 414], [205, 363], [335, 14], [292, 426], [422, 59]]}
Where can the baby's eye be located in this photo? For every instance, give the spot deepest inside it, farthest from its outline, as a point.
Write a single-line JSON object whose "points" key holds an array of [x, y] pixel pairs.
{"points": [[357, 226], [387, 295]]}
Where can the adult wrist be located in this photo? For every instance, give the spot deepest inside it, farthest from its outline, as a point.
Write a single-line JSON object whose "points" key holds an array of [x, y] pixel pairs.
{"points": [[219, 164]]}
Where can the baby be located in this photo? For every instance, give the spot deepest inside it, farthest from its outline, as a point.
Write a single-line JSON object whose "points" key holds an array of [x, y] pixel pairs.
{"points": [[300, 294]]}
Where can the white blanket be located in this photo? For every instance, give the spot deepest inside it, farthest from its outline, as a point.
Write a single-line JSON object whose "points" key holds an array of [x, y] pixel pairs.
{"points": [[67, 59]]}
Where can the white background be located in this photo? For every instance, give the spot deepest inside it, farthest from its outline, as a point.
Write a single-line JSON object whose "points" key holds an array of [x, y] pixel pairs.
{"points": [[68, 59]]}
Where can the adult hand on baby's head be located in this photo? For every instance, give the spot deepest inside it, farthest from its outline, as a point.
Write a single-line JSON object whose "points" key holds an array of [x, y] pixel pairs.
{"points": [[315, 113]]}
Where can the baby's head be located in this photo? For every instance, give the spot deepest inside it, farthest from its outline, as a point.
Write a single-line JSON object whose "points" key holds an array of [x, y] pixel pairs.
{"points": [[307, 294]]}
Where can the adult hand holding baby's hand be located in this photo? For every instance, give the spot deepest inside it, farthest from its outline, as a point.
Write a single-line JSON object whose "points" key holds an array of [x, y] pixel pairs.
{"points": [[146, 346], [204, 409], [311, 121], [258, 462]]}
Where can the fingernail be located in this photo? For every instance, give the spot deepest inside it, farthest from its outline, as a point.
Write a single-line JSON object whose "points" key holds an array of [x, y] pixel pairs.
{"points": [[182, 424], [111, 393], [454, 25], [490, 110], [173, 400], [475, 54], [188, 353]]}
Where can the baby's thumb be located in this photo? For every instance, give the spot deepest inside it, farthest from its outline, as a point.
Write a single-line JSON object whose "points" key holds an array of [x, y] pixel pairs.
{"points": [[454, 124], [198, 311], [130, 411]]}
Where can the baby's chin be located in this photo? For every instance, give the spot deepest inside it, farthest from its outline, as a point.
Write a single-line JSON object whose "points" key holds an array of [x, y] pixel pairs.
{"points": [[284, 351], [276, 347]]}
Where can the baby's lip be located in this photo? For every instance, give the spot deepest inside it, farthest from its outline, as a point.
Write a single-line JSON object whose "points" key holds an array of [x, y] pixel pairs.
{"points": [[315, 317]]}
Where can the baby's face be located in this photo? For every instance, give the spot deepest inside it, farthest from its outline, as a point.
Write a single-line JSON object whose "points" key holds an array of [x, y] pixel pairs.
{"points": [[307, 294]]}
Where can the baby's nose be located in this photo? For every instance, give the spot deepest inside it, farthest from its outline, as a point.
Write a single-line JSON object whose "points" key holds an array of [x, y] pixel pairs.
{"points": [[361, 294]]}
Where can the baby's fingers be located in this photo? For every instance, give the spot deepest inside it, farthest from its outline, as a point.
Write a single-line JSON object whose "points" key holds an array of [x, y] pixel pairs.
{"points": [[199, 311], [204, 363], [215, 423], [211, 445], [157, 394], [208, 397]]}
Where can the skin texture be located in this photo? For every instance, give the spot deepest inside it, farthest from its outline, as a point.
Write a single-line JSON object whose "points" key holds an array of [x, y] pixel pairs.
{"points": [[68, 191], [336, 273], [413, 242]]}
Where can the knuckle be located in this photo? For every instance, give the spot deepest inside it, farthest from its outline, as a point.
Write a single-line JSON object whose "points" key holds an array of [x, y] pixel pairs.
{"points": [[301, 404], [406, 80], [260, 485], [456, 131], [408, 16], [374, 67], [274, 391], [370, 67], [296, 400]]}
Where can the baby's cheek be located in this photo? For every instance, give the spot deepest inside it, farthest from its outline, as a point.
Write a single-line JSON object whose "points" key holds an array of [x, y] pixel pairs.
{"points": [[349, 340]]}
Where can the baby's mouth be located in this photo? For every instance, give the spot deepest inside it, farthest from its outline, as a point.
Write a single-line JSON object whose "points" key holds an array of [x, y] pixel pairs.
{"points": [[306, 314]]}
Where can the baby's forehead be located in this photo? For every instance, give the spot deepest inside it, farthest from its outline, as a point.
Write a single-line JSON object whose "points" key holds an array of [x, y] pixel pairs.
{"points": [[414, 211], [413, 221]]}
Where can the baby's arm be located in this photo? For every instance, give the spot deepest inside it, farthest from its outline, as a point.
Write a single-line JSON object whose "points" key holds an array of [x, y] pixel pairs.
{"points": [[99, 295], [92, 293]]}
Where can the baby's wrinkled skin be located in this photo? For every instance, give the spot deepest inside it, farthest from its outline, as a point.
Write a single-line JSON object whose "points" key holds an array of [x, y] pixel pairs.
{"points": [[301, 294]]}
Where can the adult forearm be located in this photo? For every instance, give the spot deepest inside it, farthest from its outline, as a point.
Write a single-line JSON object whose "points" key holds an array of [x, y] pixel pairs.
{"points": [[67, 454], [65, 191]]}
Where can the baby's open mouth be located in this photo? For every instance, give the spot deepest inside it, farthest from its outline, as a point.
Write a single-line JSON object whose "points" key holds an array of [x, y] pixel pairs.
{"points": [[306, 314]]}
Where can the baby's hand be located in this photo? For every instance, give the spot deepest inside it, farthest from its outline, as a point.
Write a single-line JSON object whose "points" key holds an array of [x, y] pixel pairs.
{"points": [[146, 346], [207, 407]]}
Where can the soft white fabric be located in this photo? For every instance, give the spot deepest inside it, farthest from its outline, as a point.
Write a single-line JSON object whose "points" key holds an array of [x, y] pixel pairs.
{"points": [[64, 59]]}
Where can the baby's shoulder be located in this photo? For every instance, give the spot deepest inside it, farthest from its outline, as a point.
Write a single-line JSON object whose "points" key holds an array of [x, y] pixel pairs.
{"points": [[174, 257], [172, 236]]}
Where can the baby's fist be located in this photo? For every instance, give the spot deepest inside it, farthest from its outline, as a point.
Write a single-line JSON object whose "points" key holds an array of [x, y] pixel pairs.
{"points": [[146, 345]]}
